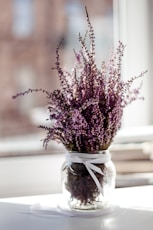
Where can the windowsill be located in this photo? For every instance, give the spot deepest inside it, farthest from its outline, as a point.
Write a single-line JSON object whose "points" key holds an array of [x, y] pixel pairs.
{"points": [[27, 145]]}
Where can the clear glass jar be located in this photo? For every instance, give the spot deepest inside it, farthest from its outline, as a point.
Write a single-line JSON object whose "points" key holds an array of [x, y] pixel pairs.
{"points": [[81, 191]]}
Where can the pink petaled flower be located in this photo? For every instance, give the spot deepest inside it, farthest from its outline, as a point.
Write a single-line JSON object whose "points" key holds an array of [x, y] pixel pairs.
{"points": [[88, 107]]}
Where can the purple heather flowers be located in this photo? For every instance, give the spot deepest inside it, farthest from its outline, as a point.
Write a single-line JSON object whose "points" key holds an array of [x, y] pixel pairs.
{"points": [[88, 107]]}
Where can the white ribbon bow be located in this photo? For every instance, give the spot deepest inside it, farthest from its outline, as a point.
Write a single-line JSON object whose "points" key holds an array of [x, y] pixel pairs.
{"points": [[89, 160]]}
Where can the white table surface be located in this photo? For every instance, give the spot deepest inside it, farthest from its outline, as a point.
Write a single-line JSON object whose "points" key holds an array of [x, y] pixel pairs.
{"points": [[134, 211]]}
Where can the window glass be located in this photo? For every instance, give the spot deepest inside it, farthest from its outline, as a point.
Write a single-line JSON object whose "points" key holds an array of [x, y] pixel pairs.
{"points": [[23, 18], [26, 63]]}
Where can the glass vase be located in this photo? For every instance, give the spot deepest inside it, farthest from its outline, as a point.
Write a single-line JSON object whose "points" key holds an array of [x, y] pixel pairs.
{"points": [[79, 187]]}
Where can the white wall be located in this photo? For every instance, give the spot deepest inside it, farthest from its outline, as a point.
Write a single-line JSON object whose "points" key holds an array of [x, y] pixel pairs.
{"points": [[29, 175]]}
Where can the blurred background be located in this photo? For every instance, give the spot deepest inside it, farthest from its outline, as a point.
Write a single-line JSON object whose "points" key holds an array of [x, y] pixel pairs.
{"points": [[30, 31]]}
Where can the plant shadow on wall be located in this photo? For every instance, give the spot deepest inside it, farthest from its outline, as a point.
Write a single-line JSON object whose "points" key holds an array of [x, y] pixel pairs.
{"points": [[87, 112]]}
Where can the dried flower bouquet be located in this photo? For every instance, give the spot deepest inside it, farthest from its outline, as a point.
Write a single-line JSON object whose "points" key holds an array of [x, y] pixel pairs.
{"points": [[87, 109]]}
